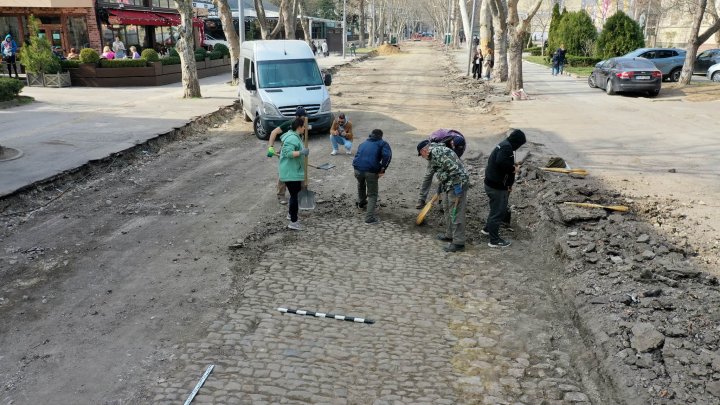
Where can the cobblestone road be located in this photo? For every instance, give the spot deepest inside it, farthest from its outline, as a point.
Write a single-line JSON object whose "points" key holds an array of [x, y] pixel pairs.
{"points": [[464, 328]]}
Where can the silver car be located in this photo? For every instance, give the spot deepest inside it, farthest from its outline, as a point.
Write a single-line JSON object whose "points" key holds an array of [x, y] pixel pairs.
{"points": [[713, 72]]}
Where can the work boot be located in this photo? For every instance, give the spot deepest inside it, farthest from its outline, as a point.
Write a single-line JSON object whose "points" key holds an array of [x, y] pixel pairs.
{"points": [[420, 204], [451, 248], [443, 237]]}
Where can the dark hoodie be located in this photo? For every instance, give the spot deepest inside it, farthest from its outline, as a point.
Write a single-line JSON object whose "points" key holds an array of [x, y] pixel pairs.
{"points": [[500, 170], [373, 155]]}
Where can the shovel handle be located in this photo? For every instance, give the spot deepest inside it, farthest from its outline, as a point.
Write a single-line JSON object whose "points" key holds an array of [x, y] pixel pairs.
{"points": [[619, 208], [306, 142]]}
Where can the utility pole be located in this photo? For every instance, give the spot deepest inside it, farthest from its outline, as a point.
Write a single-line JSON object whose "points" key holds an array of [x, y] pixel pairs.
{"points": [[468, 36], [344, 28], [241, 7]]}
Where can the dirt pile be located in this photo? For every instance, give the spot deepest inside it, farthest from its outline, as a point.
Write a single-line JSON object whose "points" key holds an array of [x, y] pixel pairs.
{"points": [[386, 49], [638, 296]]}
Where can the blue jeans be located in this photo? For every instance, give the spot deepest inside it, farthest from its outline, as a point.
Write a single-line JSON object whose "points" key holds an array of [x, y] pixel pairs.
{"points": [[498, 211], [336, 140]]}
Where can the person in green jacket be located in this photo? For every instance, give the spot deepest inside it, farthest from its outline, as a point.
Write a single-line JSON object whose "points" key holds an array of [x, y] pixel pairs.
{"points": [[291, 170]]}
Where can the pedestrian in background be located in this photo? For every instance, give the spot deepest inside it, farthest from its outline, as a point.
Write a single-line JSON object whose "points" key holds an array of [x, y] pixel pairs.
{"points": [[9, 54], [119, 48], [559, 60], [499, 179], [477, 64], [371, 160], [73, 55], [134, 53], [324, 48], [341, 133], [489, 62], [283, 128], [291, 170], [107, 53], [452, 139], [454, 183]]}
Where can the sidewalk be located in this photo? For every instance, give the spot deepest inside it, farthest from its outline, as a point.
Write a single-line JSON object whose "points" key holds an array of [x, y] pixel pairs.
{"points": [[68, 127]]}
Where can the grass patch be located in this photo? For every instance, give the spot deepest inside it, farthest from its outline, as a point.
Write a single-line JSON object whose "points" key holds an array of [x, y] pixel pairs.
{"points": [[364, 50], [580, 71]]}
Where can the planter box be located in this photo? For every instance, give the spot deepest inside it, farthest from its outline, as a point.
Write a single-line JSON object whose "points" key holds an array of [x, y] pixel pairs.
{"points": [[57, 79], [35, 79], [155, 75]]}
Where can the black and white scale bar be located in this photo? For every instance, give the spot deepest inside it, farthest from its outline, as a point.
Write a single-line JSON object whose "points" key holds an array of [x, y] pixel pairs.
{"points": [[324, 315]]}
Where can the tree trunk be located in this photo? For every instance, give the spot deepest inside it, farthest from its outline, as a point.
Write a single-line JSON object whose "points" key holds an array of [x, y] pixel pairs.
{"points": [[361, 27], [486, 28], [278, 26], [304, 22], [230, 33], [692, 46], [456, 25], [516, 30], [499, 18], [185, 47], [287, 18], [262, 21], [466, 23]]}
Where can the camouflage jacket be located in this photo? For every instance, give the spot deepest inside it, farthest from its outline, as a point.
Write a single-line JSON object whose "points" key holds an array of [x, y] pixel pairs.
{"points": [[447, 166]]}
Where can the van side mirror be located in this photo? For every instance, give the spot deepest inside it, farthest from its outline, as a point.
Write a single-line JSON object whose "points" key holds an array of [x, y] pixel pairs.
{"points": [[249, 84], [328, 79]]}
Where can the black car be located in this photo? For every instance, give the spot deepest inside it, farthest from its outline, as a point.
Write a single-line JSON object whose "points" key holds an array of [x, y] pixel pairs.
{"points": [[627, 75], [706, 59]]}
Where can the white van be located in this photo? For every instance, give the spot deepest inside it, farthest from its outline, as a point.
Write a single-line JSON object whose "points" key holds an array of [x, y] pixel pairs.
{"points": [[278, 76]]}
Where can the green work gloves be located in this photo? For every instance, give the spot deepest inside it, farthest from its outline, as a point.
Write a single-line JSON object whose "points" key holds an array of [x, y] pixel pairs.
{"points": [[271, 152]]}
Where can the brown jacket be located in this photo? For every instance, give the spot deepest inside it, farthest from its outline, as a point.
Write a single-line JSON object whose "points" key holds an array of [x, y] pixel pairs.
{"points": [[348, 129]]}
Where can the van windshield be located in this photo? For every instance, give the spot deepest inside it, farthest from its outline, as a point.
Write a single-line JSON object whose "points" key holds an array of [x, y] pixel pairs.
{"points": [[289, 73]]}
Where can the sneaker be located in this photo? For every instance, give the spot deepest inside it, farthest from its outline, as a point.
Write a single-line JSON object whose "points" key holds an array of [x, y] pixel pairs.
{"points": [[348, 152], [333, 153], [282, 200], [288, 216], [484, 232], [443, 237], [372, 221], [295, 225], [454, 248], [506, 227], [420, 204], [499, 244]]}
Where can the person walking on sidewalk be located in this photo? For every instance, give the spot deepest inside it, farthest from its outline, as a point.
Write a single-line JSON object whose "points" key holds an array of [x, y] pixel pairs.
{"points": [[291, 169], [477, 62], [454, 182], [452, 139], [341, 133], [370, 163], [499, 178], [558, 60], [489, 62], [9, 54], [284, 127]]}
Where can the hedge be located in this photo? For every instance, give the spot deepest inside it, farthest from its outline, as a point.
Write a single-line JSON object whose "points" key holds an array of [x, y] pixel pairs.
{"points": [[122, 63], [70, 64], [215, 55], [89, 55], [170, 60], [10, 88], [222, 49], [200, 57], [534, 51], [150, 55]]}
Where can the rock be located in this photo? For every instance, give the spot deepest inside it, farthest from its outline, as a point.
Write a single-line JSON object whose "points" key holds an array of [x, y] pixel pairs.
{"points": [[590, 248], [616, 259], [644, 238], [648, 255], [713, 388], [575, 397], [645, 361], [672, 171], [646, 338]]}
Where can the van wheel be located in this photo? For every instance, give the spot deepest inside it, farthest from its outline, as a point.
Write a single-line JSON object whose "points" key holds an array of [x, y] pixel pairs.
{"points": [[259, 129], [246, 117]]}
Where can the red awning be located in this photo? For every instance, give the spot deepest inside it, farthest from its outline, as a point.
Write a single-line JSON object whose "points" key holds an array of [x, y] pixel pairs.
{"points": [[174, 19], [126, 17]]}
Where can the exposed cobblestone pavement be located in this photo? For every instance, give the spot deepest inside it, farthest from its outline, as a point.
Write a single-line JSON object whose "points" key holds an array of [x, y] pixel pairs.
{"points": [[462, 328]]}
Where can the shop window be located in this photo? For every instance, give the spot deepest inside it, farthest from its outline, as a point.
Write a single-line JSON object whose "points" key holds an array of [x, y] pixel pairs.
{"points": [[163, 3], [128, 2], [77, 33]]}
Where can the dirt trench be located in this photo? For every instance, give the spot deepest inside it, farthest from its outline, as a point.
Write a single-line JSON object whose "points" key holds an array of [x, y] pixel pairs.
{"points": [[121, 284]]}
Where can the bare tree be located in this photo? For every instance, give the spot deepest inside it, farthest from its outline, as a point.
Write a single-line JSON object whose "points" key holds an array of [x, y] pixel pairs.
{"points": [[262, 21], [229, 30], [186, 49], [516, 29], [692, 45], [361, 28], [499, 19], [304, 21]]}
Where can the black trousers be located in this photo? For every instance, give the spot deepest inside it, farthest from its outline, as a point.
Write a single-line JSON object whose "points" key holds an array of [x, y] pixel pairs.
{"points": [[294, 189], [477, 70]]}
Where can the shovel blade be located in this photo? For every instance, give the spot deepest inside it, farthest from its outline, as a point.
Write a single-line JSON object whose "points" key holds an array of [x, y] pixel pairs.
{"points": [[306, 200], [326, 166]]}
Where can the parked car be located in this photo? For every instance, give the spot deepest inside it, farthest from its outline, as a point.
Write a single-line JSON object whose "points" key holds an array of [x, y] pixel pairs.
{"points": [[713, 72], [706, 59], [669, 60], [622, 74], [210, 41]]}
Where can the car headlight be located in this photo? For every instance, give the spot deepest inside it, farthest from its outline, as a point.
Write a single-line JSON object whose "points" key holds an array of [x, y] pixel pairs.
{"points": [[269, 110], [326, 106]]}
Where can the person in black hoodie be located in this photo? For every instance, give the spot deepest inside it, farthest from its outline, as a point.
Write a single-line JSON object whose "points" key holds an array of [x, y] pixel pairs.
{"points": [[371, 160], [499, 179]]}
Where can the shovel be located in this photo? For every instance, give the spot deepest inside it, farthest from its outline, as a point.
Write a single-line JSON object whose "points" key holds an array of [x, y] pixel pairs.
{"points": [[426, 209], [579, 172], [306, 198], [620, 208]]}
